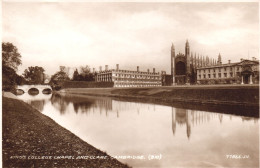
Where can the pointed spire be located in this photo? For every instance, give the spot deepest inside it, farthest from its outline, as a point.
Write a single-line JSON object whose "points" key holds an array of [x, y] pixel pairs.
{"points": [[173, 47], [219, 59], [187, 43]]}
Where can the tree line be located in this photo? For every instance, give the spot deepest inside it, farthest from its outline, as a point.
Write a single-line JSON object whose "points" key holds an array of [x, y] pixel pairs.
{"points": [[11, 60]]}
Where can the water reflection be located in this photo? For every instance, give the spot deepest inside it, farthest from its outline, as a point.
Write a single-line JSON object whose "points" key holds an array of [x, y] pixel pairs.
{"points": [[36, 101], [191, 118], [182, 117], [184, 137]]}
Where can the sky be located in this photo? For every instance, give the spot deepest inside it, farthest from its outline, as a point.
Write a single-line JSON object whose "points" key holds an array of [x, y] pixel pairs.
{"points": [[73, 34]]}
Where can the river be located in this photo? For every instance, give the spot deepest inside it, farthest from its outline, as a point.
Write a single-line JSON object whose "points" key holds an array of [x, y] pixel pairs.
{"points": [[155, 135]]}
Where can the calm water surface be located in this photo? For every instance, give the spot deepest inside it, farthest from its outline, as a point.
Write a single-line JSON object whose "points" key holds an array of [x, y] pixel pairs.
{"points": [[184, 138]]}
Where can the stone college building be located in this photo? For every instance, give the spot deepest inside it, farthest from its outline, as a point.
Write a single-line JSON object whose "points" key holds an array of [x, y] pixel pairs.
{"points": [[195, 69]]}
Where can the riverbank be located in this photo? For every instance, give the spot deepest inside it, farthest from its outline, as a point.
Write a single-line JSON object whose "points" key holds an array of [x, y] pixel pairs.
{"points": [[234, 99], [31, 139]]}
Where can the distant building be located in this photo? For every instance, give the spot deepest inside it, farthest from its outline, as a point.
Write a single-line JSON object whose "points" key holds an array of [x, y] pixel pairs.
{"points": [[243, 72], [197, 69], [166, 79], [183, 66], [128, 78]]}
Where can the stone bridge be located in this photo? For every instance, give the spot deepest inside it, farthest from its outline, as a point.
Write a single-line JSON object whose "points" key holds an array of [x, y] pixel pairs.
{"points": [[26, 88]]}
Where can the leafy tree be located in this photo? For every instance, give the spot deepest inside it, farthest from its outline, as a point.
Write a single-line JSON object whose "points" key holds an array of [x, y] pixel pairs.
{"points": [[11, 59], [10, 56], [85, 74], [34, 75], [59, 77], [20, 80], [84, 70], [65, 69], [8, 78]]}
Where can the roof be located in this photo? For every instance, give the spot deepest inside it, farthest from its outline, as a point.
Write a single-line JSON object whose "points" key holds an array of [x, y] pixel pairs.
{"points": [[231, 64]]}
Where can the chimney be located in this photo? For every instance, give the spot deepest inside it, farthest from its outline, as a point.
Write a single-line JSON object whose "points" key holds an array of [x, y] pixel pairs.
{"points": [[117, 67], [229, 61], [253, 58], [100, 68], [241, 59], [93, 70], [148, 70], [153, 70], [137, 68], [106, 67]]}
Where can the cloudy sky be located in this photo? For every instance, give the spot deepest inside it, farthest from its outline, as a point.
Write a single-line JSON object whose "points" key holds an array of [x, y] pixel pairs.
{"points": [[130, 34]]}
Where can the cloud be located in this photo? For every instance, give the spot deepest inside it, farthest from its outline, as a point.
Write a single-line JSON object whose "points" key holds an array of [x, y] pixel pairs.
{"points": [[131, 34]]}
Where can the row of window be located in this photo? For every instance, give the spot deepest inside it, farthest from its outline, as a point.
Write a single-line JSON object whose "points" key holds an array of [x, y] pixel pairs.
{"points": [[126, 75], [133, 76], [153, 78], [126, 71], [127, 80], [141, 81], [219, 69], [135, 85], [214, 76]]}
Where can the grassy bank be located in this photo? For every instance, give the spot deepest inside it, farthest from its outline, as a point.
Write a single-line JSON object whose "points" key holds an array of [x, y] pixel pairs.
{"points": [[31, 139], [238, 95], [236, 99]]}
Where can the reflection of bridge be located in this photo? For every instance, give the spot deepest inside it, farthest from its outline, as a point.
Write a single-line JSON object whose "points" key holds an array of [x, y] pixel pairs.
{"points": [[26, 88]]}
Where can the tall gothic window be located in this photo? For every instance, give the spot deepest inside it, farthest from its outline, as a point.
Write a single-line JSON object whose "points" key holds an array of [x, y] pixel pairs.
{"points": [[180, 68]]}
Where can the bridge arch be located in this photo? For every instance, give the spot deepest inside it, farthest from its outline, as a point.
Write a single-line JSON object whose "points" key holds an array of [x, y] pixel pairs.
{"points": [[20, 91], [33, 91], [46, 91]]}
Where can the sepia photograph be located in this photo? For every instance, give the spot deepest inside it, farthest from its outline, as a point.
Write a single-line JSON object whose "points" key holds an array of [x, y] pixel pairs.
{"points": [[120, 84]]}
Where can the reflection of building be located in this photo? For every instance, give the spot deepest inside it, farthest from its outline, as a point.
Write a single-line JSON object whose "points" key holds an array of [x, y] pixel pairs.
{"points": [[127, 78], [191, 69], [182, 117], [191, 118], [104, 103]]}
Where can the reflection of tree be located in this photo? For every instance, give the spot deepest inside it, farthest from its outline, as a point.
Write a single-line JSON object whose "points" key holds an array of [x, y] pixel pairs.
{"points": [[249, 119], [83, 106], [38, 104], [59, 103], [80, 103]]}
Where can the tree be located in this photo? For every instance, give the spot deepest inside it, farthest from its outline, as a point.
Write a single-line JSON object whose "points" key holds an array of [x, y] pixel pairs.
{"points": [[10, 56], [8, 78], [85, 74], [84, 70], [75, 75], [59, 77], [34, 75], [11, 59]]}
